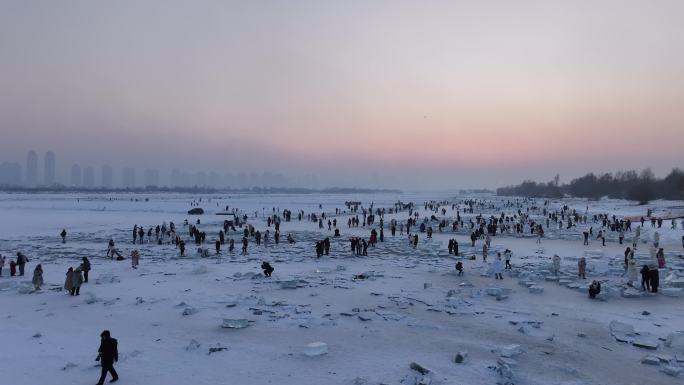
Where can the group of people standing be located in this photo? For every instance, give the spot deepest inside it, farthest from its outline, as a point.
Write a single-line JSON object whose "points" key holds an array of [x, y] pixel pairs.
{"points": [[20, 263], [76, 277]]}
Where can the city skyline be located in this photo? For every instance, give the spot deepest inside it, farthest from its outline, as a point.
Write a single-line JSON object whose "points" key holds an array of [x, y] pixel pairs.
{"points": [[77, 175], [85, 176]]}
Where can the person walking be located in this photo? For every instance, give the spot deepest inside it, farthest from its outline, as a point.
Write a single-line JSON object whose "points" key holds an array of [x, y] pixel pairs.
{"points": [[645, 278], [2, 264], [507, 257], [497, 267], [63, 234], [21, 262], [37, 277], [631, 271], [135, 259], [654, 278], [69, 281], [77, 280], [556, 264], [628, 252], [85, 267], [582, 268], [660, 256], [107, 354]]}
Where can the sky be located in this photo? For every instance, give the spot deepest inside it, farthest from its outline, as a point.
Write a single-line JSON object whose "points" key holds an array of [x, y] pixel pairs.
{"points": [[415, 94]]}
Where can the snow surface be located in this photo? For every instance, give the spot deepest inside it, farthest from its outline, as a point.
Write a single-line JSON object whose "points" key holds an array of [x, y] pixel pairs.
{"points": [[412, 313]]}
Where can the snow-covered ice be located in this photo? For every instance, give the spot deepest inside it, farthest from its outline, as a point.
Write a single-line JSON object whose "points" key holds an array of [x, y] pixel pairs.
{"points": [[399, 315]]}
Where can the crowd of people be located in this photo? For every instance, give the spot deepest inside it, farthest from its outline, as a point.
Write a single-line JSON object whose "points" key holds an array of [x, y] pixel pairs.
{"points": [[517, 218]]}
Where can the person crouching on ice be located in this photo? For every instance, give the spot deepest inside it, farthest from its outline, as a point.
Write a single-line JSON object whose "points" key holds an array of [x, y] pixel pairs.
{"points": [[267, 268]]}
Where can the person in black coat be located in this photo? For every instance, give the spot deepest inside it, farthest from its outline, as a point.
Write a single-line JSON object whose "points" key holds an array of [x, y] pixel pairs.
{"points": [[594, 289], [459, 268], [646, 278], [654, 278], [268, 269], [108, 354]]}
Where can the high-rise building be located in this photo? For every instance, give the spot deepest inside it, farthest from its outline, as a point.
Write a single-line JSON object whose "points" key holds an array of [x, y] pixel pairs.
{"points": [[200, 179], [10, 174], [151, 177], [107, 176], [76, 175], [175, 178], [32, 169], [128, 177], [49, 176], [88, 177]]}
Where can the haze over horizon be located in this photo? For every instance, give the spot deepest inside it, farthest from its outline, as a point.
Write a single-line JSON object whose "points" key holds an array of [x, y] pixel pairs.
{"points": [[415, 95]]}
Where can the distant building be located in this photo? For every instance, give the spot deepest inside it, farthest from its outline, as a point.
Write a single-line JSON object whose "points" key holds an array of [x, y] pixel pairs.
{"points": [[200, 179], [10, 174], [49, 176], [151, 177], [107, 176], [88, 177], [128, 177], [76, 175], [32, 169], [175, 178]]}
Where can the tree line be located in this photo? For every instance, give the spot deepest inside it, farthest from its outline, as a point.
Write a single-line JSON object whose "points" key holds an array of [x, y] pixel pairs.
{"points": [[631, 185]]}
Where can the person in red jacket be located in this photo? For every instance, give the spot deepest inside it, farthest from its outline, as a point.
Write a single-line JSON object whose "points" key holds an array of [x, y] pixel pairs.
{"points": [[13, 268]]}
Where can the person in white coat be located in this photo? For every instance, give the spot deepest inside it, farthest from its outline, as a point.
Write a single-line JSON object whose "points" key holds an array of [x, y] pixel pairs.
{"points": [[556, 264], [656, 239], [632, 270], [497, 267], [38, 277], [635, 240]]}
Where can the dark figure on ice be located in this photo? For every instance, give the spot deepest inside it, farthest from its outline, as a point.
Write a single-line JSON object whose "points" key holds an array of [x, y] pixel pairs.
{"points": [[267, 268], [594, 289], [21, 262], [85, 267], [108, 354], [645, 278], [63, 234], [654, 278], [459, 268], [245, 242]]}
